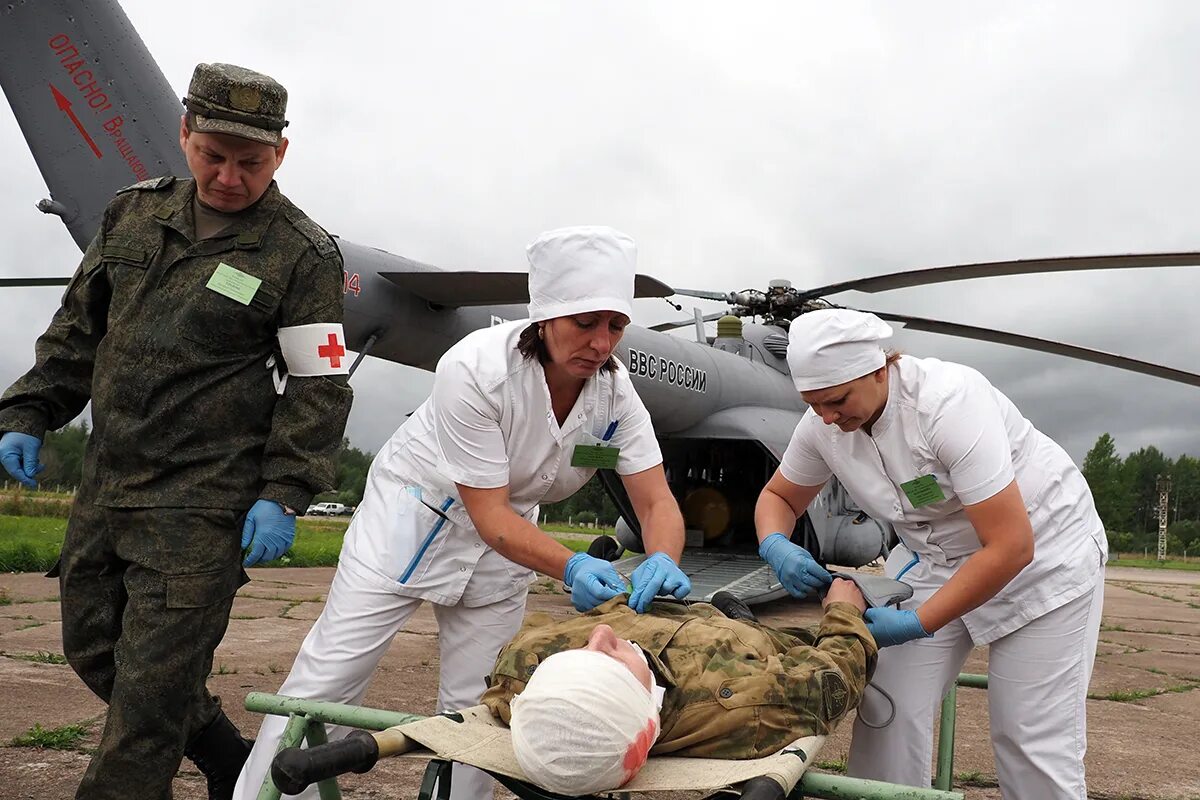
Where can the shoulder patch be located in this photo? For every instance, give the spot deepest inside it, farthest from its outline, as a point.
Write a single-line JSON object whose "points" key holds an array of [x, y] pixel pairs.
{"points": [[835, 694], [153, 184], [315, 234]]}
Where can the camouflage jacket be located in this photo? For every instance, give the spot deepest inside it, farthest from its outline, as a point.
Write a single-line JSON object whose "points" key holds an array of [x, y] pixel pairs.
{"points": [[734, 689], [184, 406]]}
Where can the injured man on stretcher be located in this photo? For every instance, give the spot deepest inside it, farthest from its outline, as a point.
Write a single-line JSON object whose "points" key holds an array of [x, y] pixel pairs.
{"points": [[588, 698]]}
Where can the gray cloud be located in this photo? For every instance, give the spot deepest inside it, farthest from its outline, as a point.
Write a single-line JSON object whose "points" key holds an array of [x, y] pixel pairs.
{"points": [[815, 142]]}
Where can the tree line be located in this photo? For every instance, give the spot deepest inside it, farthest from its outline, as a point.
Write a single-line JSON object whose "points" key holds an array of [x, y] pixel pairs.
{"points": [[62, 453], [1127, 497], [1125, 489]]}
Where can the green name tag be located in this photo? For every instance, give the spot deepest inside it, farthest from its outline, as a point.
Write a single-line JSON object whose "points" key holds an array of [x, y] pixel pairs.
{"points": [[233, 283], [922, 491], [594, 455]]}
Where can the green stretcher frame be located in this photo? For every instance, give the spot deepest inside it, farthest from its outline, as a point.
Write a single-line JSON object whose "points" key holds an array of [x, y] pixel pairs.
{"points": [[307, 720]]}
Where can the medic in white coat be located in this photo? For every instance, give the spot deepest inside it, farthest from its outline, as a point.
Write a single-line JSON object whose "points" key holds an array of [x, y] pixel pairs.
{"points": [[999, 538], [521, 414]]}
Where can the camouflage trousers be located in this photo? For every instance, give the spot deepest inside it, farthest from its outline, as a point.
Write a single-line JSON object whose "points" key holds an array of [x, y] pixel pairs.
{"points": [[146, 595]]}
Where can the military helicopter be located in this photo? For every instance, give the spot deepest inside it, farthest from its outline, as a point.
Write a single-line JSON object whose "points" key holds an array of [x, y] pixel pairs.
{"points": [[98, 115]]}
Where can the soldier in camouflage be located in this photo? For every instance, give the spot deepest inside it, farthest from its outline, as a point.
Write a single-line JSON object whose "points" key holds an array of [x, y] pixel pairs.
{"points": [[191, 302], [734, 688]]}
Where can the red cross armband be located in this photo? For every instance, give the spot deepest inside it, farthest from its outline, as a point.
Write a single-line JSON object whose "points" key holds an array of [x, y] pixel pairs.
{"points": [[317, 349]]}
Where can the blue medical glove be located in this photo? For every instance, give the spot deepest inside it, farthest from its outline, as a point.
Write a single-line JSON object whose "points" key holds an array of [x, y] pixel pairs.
{"points": [[268, 532], [19, 455], [798, 571], [591, 581], [892, 626], [657, 575]]}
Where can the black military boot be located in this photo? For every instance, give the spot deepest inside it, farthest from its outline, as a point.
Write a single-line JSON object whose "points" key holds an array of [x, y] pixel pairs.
{"points": [[733, 607], [219, 751]]}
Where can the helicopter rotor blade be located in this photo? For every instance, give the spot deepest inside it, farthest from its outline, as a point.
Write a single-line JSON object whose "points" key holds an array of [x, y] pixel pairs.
{"points": [[14, 283], [725, 297], [961, 272], [1042, 345], [683, 323]]}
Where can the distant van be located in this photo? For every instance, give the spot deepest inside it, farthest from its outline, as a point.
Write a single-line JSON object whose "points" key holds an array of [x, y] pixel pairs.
{"points": [[327, 510]]}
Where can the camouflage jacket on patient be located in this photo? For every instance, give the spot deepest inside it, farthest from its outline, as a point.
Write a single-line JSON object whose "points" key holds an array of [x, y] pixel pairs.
{"points": [[735, 689]]}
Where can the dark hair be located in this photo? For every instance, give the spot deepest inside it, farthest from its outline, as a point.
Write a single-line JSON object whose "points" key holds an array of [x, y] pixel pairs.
{"points": [[531, 345]]}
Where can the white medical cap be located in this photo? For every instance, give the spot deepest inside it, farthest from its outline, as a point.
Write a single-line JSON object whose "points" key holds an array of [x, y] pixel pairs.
{"points": [[583, 724], [581, 269], [835, 345]]}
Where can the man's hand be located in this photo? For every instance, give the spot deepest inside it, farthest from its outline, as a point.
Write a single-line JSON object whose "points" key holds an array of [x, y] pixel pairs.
{"points": [[798, 571], [591, 581], [19, 455], [844, 591], [658, 574], [268, 532], [892, 626]]}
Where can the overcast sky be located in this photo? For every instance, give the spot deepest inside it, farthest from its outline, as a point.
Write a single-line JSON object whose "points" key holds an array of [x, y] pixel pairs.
{"points": [[738, 143]]}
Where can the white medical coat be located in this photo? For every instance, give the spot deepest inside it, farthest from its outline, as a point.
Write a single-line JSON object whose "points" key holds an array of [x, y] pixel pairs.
{"points": [[488, 423], [946, 420]]}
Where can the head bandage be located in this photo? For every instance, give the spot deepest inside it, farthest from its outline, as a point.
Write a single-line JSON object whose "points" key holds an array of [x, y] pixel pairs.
{"points": [[832, 346], [581, 269], [583, 724]]}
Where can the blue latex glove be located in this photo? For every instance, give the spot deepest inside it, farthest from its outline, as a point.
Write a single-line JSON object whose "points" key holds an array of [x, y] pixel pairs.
{"points": [[591, 581], [891, 626], [798, 571], [657, 575], [19, 455], [268, 532]]}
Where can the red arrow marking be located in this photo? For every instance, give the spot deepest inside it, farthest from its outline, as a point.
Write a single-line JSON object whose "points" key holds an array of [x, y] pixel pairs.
{"points": [[64, 105]]}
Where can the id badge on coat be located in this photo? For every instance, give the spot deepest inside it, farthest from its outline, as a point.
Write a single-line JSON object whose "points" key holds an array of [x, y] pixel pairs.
{"points": [[592, 453]]}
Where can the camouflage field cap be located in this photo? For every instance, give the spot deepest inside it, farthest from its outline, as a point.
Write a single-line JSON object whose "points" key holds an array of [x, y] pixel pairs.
{"points": [[224, 98]]}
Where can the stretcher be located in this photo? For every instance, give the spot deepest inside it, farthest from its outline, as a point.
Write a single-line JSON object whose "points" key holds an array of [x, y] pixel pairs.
{"points": [[474, 737]]}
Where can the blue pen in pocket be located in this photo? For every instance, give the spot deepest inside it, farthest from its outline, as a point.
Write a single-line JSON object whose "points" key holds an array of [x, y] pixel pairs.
{"points": [[612, 428]]}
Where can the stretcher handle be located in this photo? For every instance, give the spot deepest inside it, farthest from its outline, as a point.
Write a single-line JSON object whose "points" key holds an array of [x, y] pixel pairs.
{"points": [[294, 769], [762, 788]]}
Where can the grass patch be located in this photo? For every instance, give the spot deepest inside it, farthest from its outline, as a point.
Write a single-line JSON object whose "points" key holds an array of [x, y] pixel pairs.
{"points": [[832, 766], [28, 625], [976, 779], [40, 657], [1123, 696], [66, 737], [5, 600], [1153, 563], [32, 544]]}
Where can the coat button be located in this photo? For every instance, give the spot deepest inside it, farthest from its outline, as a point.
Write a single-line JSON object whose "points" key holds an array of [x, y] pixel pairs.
{"points": [[462, 569], [529, 670], [727, 693], [545, 477]]}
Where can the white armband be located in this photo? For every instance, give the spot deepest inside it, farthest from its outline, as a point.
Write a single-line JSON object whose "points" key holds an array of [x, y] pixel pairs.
{"points": [[317, 349]]}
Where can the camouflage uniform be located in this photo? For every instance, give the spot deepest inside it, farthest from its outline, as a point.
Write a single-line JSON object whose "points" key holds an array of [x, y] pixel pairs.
{"points": [[734, 689], [188, 433]]}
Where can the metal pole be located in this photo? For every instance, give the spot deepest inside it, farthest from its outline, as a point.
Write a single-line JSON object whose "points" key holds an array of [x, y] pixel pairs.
{"points": [[328, 788], [945, 752], [839, 787], [371, 719], [1164, 493], [293, 733], [944, 779]]}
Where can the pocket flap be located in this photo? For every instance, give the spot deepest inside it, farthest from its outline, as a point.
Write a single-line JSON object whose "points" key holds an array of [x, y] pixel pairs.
{"points": [[203, 588], [127, 251]]}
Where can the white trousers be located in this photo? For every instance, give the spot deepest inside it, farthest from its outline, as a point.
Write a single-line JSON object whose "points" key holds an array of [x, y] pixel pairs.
{"points": [[353, 633], [1037, 690]]}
